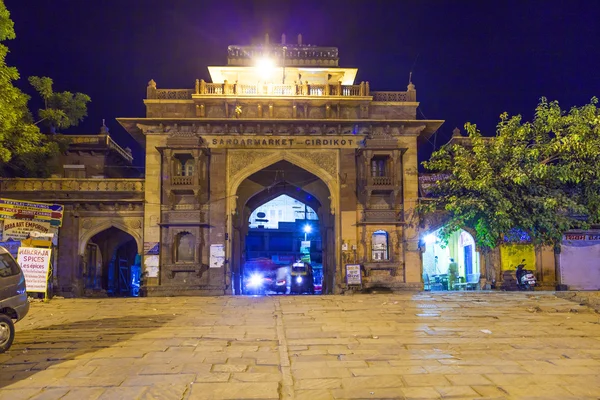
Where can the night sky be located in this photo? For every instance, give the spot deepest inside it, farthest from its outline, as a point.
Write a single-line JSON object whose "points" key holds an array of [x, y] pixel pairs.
{"points": [[471, 60]]}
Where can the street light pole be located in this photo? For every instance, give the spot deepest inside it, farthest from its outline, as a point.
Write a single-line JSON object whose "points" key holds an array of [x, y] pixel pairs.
{"points": [[283, 78]]}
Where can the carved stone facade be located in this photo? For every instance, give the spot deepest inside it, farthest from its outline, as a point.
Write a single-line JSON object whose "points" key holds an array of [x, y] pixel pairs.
{"points": [[219, 150]]}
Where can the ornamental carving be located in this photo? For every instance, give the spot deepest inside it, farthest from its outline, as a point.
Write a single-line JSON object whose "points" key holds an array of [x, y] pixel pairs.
{"points": [[324, 159], [238, 160]]}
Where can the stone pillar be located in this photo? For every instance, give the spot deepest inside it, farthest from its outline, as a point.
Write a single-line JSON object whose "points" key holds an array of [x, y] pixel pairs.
{"points": [[151, 90], [410, 191]]}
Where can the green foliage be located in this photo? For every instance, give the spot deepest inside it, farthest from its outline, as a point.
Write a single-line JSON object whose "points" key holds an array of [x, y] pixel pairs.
{"points": [[541, 177], [61, 110], [24, 150]]}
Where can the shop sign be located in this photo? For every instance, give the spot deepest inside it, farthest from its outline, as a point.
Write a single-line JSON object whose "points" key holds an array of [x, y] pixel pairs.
{"points": [[353, 276], [35, 263]]}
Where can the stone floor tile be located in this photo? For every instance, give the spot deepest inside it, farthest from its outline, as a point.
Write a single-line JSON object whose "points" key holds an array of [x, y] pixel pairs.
{"points": [[368, 393], [83, 393], [318, 394], [209, 377], [18, 394], [541, 391], [490, 391], [381, 381], [50, 394], [165, 392], [312, 384], [255, 377], [430, 380], [150, 380], [457, 391], [229, 367], [414, 393], [468, 379], [234, 391], [584, 391], [122, 393]]}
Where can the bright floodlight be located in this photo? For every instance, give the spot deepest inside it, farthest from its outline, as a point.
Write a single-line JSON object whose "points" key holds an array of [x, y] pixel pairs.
{"points": [[307, 228], [430, 238], [265, 66]]}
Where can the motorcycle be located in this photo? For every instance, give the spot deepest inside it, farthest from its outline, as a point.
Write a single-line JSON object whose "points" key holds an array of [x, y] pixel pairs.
{"points": [[525, 278]]}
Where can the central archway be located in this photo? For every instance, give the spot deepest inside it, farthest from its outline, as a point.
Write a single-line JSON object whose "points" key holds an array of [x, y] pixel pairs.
{"points": [[277, 179]]}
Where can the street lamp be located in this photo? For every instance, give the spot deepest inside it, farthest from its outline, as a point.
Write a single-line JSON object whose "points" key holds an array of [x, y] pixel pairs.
{"points": [[307, 230], [265, 67]]}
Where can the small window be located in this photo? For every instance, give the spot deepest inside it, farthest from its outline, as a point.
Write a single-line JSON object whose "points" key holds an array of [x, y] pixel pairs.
{"points": [[188, 168], [379, 246], [185, 246], [184, 165], [379, 166], [8, 266]]}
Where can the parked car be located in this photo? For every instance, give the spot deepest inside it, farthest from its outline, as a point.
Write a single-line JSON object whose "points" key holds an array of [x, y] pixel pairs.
{"points": [[13, 298]]}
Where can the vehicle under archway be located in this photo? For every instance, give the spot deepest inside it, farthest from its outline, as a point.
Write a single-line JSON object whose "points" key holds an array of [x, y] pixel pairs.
{"points": [[283, 218]]}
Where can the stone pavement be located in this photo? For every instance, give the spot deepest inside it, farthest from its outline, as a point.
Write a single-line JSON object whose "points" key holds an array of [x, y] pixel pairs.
{"points": [[381, 346]]}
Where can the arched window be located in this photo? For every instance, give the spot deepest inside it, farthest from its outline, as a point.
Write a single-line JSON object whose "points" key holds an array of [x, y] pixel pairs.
{"points": [[185, 247], [379, 246], [188, 168]]}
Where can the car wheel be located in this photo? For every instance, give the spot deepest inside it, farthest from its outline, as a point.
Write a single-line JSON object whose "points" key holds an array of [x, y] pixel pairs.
{"points": [[7, 332]]}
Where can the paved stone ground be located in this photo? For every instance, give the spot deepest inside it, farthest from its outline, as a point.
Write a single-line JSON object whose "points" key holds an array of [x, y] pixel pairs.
{"points": [[396, 346]]}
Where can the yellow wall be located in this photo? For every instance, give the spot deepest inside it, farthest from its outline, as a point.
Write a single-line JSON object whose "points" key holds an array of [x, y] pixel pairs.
{"points": [[511, 256]]}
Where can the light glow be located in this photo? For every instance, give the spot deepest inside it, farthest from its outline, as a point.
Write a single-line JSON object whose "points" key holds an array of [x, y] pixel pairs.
{"points": [[255, 281], [429, 239], [307, 228], [265, 67], [299, 279]]}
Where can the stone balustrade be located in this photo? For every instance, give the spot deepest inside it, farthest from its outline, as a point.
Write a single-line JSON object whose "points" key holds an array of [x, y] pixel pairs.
{"points": [[203, 88], [70, 185], [381, 180], [181, 180]]}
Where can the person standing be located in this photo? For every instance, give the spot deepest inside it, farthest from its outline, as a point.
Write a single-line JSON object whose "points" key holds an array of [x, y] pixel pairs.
{"points": [[452, 273]]}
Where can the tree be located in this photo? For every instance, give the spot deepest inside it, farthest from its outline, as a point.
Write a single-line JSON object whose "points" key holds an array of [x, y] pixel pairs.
{"points": [[24, 150], [540, 178], [61, 110]]}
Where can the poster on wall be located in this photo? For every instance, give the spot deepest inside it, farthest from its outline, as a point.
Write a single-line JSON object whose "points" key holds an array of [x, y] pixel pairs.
{"points": [[16, 229], [151, 263], [353, 276], [35, 264], [217, 255]]}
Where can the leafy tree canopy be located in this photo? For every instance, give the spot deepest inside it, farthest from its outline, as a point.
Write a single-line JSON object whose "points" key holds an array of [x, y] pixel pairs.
{"points": [[540, 177], [24, 150], [61, 110]]}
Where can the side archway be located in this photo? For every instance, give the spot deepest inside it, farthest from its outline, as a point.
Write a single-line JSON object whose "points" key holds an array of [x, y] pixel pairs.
{"points": [[96, 225]]}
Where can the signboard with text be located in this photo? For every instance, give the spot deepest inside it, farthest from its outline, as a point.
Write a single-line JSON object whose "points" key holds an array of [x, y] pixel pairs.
{"points": [[28, 210], [18, 229], [217, 255], [353, 276], [35, 264]]}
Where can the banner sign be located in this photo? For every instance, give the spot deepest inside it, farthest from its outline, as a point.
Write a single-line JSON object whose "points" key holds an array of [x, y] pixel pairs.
{"points": [[42, 212], [217, 255], [428, 181], [35, 264], [16, 229], [353, 276]]}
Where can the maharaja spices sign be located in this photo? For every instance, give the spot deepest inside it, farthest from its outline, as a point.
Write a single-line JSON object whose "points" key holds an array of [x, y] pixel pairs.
{"points": [[284, 142], [17, 229], [35, 264]]}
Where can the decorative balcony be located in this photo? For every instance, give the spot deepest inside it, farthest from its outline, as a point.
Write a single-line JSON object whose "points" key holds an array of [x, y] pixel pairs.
{"points": [[380, 181], [182, 180]]}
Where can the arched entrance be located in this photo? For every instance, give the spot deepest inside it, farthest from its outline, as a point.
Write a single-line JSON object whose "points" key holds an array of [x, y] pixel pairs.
{"points": [[111, 264], [450, 266], [269, 183]]}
